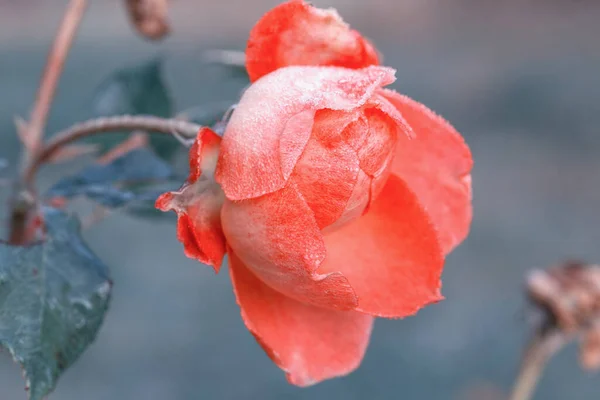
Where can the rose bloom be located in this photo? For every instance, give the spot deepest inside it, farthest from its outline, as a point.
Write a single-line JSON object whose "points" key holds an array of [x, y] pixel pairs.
{"points": [[335, 199]]}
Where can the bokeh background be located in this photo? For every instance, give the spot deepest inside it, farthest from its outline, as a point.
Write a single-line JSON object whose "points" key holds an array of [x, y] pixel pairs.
{"points": [[519, 78]]}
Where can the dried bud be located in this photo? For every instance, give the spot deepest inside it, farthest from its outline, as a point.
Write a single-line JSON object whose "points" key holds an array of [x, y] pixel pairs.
{"points": [[149, 17], [569, 297]]}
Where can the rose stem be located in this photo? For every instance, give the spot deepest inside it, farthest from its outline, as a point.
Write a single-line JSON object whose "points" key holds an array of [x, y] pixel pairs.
{"points": [[537, 354], [22, 203]]}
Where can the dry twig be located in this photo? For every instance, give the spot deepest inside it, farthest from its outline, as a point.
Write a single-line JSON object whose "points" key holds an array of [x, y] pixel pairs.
{"points": [[31, 133], [53, 70], [567, 298], [115, 124]]}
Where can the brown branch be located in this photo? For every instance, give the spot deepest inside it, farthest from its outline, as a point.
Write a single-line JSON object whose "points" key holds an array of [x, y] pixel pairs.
{"points": [[566, 298], [52, 71], [539, 351], [22, 203], [23, 199], [106, 125]]}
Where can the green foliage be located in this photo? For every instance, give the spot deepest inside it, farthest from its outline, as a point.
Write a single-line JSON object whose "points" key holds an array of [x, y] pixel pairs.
{"points": [[53, 297], [133, 181], [139, 89]]}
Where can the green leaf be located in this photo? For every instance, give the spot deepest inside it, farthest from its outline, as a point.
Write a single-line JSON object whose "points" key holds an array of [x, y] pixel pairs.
{"points": [[133, 180], [53, 297], [139, 89]]}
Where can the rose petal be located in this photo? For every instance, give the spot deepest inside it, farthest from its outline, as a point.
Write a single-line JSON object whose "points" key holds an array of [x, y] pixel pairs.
{"points": [[327, 172], [347, 160], [273, 121], [198, 204], [437, 166], [357, 204], [309, 343], [296, 33], [277, 237], [390, 255], [198, 208], [374, 153], [204, 154]]}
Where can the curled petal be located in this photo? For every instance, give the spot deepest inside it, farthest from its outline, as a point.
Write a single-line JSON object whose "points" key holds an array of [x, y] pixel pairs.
{"points": [[358, 202], [309, 343], [327, 172], [373, 137], [296, 33], [347, 160], [390, 255], [374, 153], [272, 123], [277, 237], [436, 164], [204, 154], [198, 208], [198, 204]]}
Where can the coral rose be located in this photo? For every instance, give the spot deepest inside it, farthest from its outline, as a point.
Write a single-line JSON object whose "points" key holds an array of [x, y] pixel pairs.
{"points": [[335, 199]]}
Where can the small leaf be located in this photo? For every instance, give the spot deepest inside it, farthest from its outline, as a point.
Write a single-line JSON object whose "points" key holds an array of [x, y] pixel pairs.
{"points": [[135, 90], [134, 180], [53, 297]]}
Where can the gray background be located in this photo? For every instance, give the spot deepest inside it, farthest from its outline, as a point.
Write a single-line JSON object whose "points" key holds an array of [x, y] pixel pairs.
{"points": [[518, 78]]}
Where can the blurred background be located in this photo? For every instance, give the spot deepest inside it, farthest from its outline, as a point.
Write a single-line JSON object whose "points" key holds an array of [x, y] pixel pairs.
{"points": [[519, 78]]}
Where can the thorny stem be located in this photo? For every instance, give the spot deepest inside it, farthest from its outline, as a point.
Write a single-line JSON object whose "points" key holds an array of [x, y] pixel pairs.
{"points": [[22, 200], [539, 351]]}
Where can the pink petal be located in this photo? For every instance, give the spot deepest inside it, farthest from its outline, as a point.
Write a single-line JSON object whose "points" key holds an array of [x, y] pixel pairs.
{"points": [[309, 343], [374, 153], [437, 167], [271, 125], [198, 208], [296, 33], [327, 172], [277, 237], [198, 204], [203, 154], [390, 255], [358, 202], [373, 136], [347, 160]]}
